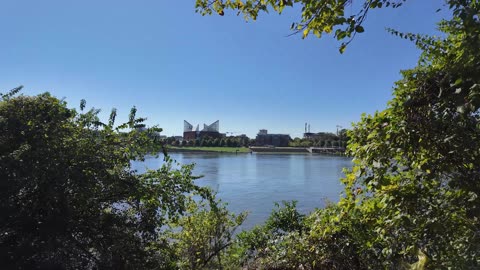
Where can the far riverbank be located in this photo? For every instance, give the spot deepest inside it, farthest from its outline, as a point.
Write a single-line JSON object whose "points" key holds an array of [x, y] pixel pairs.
{"points": [[256, 149], [206, 149]]}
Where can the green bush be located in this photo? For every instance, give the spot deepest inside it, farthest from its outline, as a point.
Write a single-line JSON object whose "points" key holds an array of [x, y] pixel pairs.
{"points": [[69, 198]]}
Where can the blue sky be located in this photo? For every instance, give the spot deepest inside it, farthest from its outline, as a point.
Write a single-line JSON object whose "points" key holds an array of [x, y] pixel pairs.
{"points": [[174, 64]]}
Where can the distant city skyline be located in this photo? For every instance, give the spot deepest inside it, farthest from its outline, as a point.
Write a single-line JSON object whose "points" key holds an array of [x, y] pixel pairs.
{"points": [[215, 126], [173, 64]]}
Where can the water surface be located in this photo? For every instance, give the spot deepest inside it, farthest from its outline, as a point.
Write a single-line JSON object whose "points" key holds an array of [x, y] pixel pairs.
{"points": [[253, 182]]}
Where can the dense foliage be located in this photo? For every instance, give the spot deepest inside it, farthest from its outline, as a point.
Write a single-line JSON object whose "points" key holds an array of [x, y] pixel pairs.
{"points": [[69, 198], [322, 139], [411, 201]]}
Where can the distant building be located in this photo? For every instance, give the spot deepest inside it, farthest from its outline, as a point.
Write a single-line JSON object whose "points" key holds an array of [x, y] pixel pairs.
{"points": [[189, 135], [319, 135], [263, 132], [211, 131], [309, 135], [264, 139]]}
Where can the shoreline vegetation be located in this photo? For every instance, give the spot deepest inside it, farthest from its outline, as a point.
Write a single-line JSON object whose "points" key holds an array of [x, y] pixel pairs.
{"points": [[207, 149], [255, 149]]}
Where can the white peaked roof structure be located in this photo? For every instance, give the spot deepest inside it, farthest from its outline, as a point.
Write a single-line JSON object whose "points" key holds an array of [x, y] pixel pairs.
{"points": [[214, 127], [187, 126]]}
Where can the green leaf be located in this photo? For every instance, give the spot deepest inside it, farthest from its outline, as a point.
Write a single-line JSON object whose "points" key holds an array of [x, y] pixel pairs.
{"points": [[359, 29], [305, 32]]}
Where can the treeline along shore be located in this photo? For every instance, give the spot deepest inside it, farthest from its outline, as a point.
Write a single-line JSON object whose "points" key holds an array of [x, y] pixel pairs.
{"points": [[260, 149]]}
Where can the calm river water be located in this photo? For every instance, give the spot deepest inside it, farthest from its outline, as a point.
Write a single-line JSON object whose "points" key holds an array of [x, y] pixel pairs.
{"points": [[253, 182]]}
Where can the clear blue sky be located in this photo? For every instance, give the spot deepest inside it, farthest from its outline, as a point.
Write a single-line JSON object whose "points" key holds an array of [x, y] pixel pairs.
{"points": [[174, 64]]}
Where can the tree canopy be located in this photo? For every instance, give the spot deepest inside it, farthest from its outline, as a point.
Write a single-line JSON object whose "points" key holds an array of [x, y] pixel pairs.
{"points": [[317, 17], [418, 161]]}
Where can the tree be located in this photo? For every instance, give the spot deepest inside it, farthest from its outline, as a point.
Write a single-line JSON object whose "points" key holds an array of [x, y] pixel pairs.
{"points": [[295, 143], [423, 175], [343, 137], [235, 142], [223, 142], [69, 198], [306, 143], [411, 201], [229, 142], [207, 142], [318, 17], [170, 140], [203, 235], [245, 142]]}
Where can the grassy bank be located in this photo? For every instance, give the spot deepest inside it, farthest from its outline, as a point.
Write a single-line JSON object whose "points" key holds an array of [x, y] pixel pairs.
{"points": [[209, 149]]}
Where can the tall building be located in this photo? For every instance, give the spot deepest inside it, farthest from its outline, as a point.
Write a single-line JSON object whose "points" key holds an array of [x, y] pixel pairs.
{"points": [[265, 139], [211, 131], [188, 132]]}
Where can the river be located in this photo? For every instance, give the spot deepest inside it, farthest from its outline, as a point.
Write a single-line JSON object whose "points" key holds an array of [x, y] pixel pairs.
{"points": [[253, 182]]}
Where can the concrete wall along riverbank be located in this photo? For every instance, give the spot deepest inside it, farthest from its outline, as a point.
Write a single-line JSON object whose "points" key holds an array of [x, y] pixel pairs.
{"points": [[278, 149], [313, 150]]}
